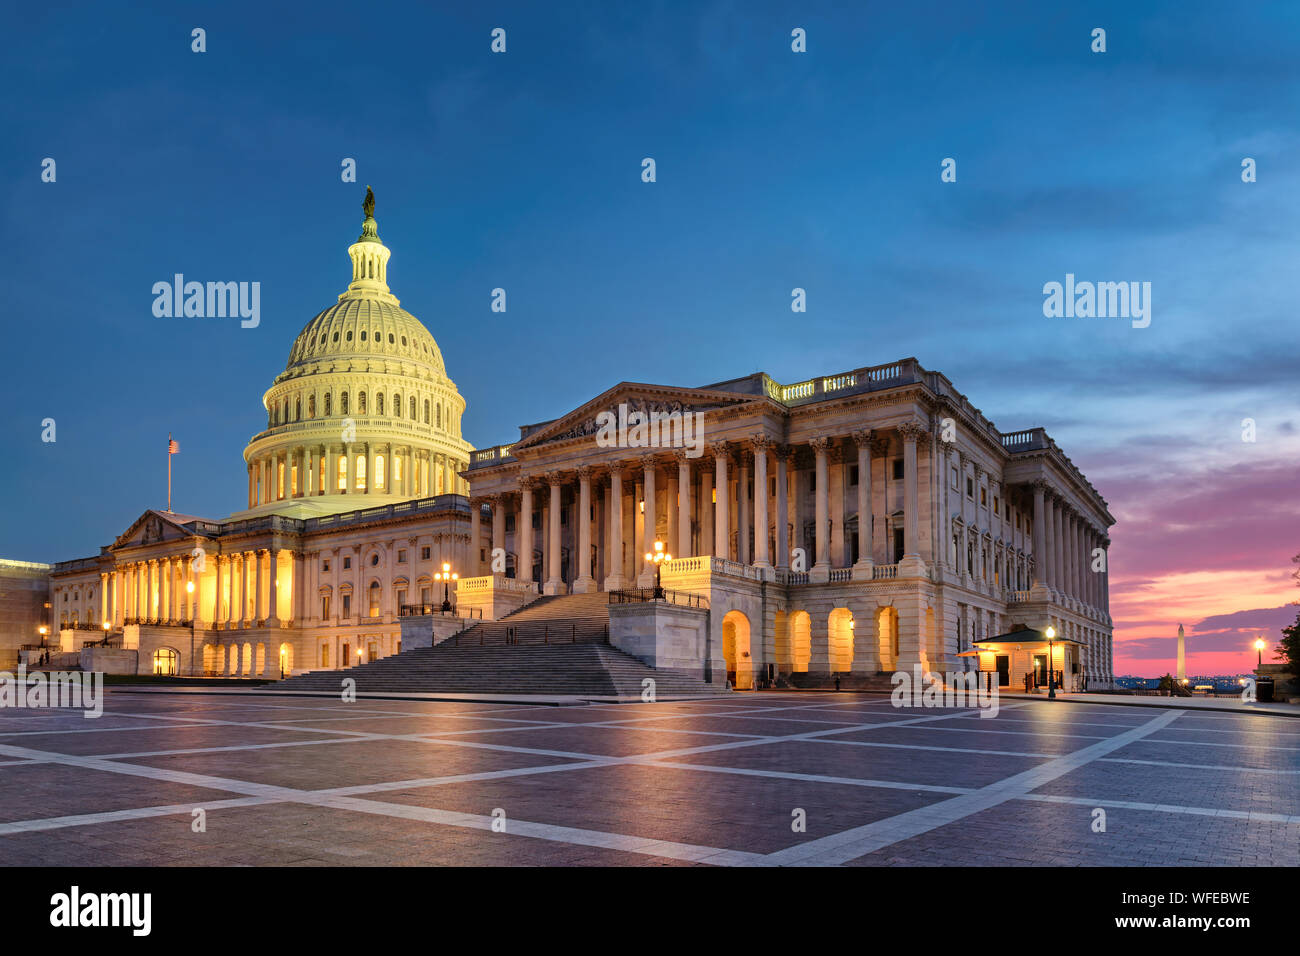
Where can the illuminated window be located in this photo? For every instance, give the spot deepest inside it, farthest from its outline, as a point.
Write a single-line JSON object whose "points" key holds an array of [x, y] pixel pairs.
{"points": [[165, 661], [379, 465], [361, 472], [397, 468], [279, 479], [343, 473], [324, 655], [372, 652], [293, 480], [374, 599]]}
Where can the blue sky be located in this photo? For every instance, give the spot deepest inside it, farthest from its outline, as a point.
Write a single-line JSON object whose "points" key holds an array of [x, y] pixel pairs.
{"points": [[775, 170]]}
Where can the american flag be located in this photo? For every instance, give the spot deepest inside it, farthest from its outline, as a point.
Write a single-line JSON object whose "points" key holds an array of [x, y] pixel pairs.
{"points": [[172, 447]]}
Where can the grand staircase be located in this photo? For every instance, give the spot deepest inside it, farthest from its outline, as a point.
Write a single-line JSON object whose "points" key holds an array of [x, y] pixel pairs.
{"points": [[556, 645]]}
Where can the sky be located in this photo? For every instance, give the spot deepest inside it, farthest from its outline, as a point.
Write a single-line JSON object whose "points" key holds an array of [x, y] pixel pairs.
{"points": [[818, 170]]}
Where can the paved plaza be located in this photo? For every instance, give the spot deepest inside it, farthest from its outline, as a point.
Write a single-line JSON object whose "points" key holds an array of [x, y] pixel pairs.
{"points": [[754, 779]]}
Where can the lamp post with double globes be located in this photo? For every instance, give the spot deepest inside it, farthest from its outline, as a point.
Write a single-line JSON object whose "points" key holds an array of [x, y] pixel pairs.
{"points": [[657, 559], [446, 576], [1051, 665]]}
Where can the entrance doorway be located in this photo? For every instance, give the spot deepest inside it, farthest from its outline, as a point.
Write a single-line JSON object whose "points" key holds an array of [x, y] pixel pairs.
{"points": [[1040, 670], [1004, 670]]}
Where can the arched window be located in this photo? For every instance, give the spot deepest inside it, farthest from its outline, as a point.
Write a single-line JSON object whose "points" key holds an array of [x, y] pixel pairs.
{"points": [[397, 404], [297, 410], [440, 414], [426, 411], [327, 405], [361, 403], [360, 472], [311, 406], [343, 473], [343, 404], [165, 661], [375, 591], [379, 473], [379, 404], [412, 408]]}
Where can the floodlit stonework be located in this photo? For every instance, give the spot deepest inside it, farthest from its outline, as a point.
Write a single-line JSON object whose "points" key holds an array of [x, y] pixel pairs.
{"points": [[852, 523]]}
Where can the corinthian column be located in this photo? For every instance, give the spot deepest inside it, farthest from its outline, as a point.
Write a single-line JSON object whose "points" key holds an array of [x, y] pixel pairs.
{"points": [[821, 512], [762, 558], [782, 507], [910, 432], [862, 568], [524, 537], [614, 565], [583, 582], [684, 549], [649, 467], [554, 580]]}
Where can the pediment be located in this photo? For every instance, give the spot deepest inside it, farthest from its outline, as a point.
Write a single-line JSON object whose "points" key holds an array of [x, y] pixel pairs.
{"points": [[664, 399], [155, 527]]}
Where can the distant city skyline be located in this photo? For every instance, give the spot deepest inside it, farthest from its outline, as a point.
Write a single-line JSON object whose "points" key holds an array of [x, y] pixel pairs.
{"points": [[775, 170]]}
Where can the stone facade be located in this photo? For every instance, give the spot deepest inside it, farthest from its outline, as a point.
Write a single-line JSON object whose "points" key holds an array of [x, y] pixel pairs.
{"points": [[893, 524]]}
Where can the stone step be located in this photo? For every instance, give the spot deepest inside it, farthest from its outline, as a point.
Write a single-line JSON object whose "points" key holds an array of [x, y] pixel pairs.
{"points": [[588, 669]]}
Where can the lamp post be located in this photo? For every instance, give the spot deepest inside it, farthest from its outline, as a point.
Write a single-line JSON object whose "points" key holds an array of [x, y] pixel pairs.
{"points": [[1260, 644], [446, 576], [1051, 672], [657, 559]]}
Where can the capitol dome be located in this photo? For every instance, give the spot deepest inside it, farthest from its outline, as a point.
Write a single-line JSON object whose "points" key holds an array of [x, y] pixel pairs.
{"points": [[364, 406]]}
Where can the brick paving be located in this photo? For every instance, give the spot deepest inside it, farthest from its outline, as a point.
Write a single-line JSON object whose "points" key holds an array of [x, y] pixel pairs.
{"points": [[766, 779]]}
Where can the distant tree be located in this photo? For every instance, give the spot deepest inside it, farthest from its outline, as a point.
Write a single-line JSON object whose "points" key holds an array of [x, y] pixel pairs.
{"points": [[1288, 649], [1167, 684]]}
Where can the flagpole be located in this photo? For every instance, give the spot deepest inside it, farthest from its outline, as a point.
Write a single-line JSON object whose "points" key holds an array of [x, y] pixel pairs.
{"points": [[169, 472]]}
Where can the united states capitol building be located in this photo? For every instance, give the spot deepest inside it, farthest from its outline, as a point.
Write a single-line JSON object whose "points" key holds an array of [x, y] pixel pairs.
{"points": [[850, 524]]}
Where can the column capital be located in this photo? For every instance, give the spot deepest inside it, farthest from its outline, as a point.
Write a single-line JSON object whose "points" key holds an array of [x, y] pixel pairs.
{"points": [[819, 444], [761, 443], [553, 478], [912, 431], [720, 449], [584, 472], [863, 437]]}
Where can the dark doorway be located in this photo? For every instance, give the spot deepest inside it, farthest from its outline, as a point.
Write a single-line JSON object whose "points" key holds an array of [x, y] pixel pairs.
{"points": [[1040, 670], [1004, 670]]}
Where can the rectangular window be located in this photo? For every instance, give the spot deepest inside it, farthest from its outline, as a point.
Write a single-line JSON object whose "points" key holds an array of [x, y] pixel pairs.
{"points": [[853, 474], [325, 608], [898, 469], [984, 496], [347, 605], [970, 488], [510, 524], [955, 482], [325, 565], [424, 595], [347, 563], [293, 480], [997, 506], [401, 597], [401, 555], [425, 552]]}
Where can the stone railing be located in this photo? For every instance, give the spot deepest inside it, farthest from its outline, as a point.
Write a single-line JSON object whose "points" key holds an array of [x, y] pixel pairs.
{"points": [[841, 575], [717, 565], [490, 456], [1017, 597], [881, 572], [786, 577], [495, 582]]}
